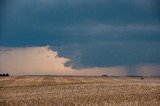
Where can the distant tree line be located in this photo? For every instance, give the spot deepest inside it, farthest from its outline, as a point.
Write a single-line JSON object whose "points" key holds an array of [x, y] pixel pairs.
{"points": [[4, 75]]}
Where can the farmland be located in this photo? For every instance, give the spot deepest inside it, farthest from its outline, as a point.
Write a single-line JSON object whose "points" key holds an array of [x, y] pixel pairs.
{"points": [[68, 91]]}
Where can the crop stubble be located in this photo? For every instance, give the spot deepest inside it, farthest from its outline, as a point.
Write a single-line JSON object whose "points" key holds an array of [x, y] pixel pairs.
{"points": [[68, 91]]}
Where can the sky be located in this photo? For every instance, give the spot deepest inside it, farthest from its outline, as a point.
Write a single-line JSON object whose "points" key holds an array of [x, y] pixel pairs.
{"points": [[81, 37]]}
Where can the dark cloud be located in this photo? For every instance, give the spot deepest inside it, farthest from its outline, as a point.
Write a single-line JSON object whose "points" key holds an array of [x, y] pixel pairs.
{"points": [[111, 53], [91, 33]]}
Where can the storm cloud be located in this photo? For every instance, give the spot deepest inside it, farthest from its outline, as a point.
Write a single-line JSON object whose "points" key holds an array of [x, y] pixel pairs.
{"points": [[90, 33], [44, 61], [32, 61]]}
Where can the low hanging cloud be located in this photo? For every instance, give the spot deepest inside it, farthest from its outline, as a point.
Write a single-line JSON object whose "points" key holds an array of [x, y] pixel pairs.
{"points": [[45, 61]]}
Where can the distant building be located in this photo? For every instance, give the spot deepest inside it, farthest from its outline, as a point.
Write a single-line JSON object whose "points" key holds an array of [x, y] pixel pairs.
{"points": [[104, 75]]}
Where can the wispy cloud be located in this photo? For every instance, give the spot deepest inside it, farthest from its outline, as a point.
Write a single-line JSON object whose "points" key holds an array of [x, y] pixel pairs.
{"points": [[91, 29]]}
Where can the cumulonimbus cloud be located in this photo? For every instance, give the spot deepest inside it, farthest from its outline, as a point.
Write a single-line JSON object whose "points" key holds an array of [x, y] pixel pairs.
{"points": [[44, 61], [32, 60]]}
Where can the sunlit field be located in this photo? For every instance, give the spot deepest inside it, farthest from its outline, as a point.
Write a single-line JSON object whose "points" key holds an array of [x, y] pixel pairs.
{"points": [[68, 91]]}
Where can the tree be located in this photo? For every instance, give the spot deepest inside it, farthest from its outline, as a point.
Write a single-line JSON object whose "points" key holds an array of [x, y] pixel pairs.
{"points": [[3, 75]]}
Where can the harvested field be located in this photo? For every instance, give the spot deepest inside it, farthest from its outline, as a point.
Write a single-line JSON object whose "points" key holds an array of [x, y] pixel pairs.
{"points": [[68, 91]]}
